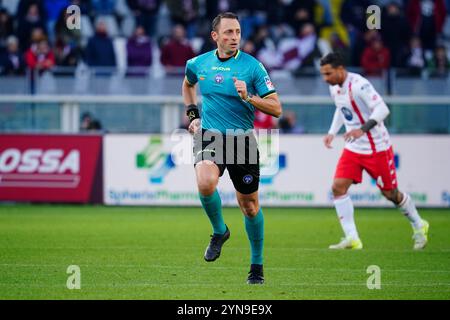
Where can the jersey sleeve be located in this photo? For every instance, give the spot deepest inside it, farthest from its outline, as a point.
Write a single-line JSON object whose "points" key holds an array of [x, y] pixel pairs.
{"points": [[337, 123], [262, 83], [372, 99], [191, 71]]}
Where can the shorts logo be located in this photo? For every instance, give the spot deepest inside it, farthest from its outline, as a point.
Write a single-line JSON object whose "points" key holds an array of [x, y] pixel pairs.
{"points": [[347, 113], [247, 179], [218, 78]]}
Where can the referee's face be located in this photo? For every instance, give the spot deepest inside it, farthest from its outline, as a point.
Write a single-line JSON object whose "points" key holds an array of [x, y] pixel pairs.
{"points": [[227, 36]]}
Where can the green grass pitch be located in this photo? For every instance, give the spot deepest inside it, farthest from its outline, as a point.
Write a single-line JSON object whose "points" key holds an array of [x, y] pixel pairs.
{"points": [[157, 253]]}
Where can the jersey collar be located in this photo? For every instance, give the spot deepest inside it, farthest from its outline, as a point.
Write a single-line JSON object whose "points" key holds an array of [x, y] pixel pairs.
{"points": [[236, 55]]}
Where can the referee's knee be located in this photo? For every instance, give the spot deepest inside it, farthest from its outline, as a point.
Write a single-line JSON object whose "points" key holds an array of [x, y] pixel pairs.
{"points": [[207, 185], [249, 208]]}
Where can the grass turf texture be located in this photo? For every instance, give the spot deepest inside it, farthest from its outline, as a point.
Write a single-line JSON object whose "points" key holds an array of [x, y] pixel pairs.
{"points": [[157, 253]]}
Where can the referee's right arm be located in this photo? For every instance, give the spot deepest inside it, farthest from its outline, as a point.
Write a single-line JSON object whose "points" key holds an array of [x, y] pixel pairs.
{"points": [[189, 93]]}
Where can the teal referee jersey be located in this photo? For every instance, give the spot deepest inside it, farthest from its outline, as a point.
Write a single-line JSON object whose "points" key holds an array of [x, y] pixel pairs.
{"points": [[222, 107]]}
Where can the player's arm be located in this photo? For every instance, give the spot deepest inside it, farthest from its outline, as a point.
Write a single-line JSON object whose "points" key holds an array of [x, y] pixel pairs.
{"points": [[335, 126], [189, 93], [270, 104]]}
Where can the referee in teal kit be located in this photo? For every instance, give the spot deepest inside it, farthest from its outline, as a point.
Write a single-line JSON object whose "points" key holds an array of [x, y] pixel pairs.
{"points": [[232, 84]]}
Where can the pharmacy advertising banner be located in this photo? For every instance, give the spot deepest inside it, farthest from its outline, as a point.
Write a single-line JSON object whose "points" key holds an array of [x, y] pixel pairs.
{"points": [[51, 168], [296, 170]]}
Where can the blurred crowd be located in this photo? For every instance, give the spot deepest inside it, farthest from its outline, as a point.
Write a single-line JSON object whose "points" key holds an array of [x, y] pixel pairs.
{"points": [[284, 34]]}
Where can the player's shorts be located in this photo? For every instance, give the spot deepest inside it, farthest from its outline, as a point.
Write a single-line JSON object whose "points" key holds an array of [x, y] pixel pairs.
{"points": [[380, 166], [238, 154]]}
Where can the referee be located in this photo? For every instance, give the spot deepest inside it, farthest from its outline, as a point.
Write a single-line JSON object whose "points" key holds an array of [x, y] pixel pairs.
{"points": [[233, 85]]}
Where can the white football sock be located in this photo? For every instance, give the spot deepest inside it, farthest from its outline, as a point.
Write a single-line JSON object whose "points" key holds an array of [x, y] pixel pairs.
{"points": [[344, 209], [408, 208]]}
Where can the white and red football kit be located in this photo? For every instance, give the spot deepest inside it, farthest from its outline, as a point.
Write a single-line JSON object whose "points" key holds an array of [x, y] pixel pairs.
{"points": [[356, 102]]}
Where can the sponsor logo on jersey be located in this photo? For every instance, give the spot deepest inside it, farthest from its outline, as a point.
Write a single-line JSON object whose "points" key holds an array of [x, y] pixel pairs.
{"points": [[221, 68], [347, 113]]}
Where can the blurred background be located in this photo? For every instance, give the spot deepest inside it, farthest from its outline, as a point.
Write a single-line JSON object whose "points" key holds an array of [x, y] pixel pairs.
{"points": [[137, 50], [121, 72]]}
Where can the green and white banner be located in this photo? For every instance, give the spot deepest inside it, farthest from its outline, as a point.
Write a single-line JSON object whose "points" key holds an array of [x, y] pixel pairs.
{"points": [[296, 171]]}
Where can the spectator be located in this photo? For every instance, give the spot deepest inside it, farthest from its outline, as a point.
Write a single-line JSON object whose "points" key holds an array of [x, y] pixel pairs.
{"points": [[427, 18], [185, 13], [67, 43], [439, 65], [395, 32], [6, 27], [288, 124], [12, 62], [32, 20], [208, 44], [145, 12], [214, 7], [375, 58], [24, 6], [139, 51], [296, 54], [414, 59], [40, 57], [53, 9], [103, 7], [249, 47], [100, 49], [176, 51], [263, 120], [89, 123], [353, 15], [301, 13]]}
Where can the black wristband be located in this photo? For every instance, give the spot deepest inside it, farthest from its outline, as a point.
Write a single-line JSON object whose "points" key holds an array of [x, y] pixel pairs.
{"points": [[368, 125], [192, 112]]}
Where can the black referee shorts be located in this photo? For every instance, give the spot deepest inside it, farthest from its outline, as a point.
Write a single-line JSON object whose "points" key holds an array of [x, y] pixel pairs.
{"points": [[238, 153]]}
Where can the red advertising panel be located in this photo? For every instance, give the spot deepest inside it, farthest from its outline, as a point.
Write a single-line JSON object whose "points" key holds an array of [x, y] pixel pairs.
{"points": [[50, 168]]}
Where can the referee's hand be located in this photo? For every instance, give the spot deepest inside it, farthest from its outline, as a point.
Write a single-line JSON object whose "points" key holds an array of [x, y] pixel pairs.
{"points": [[194, 126], [241, 88]]}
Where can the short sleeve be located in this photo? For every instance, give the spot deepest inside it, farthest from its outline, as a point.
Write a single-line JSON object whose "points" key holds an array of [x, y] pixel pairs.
{"points": [[191, 71], [262, 82], [366, 92]]}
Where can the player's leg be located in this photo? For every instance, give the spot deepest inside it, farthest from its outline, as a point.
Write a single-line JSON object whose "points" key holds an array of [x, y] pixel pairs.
{"points": [[386, 177], [254, 225], [208, 173], [208, 169], [244, 174], [348, 171]]}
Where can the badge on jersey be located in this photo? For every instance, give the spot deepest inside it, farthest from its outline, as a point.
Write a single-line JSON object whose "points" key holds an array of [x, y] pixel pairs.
{"points": [[218, 78], [348, 114], [269, 83]]}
